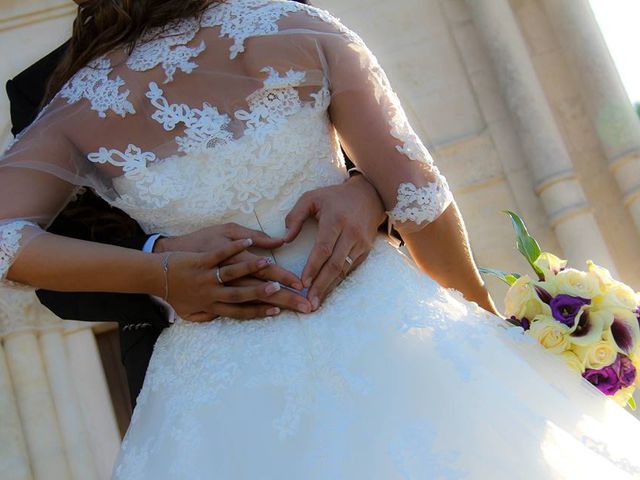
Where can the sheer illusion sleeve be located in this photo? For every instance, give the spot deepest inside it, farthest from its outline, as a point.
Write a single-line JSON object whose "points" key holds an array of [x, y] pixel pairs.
{"points": [[377, 136], [39, 173]]}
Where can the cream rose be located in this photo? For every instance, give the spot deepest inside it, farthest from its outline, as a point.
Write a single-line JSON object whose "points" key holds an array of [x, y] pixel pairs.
{"points": [[578, 284], [573, 362], [550, 333], [522, 301], [598, 355]]}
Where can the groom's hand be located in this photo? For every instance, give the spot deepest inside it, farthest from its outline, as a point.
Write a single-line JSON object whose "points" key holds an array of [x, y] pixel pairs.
{"points": [[349, 216]]}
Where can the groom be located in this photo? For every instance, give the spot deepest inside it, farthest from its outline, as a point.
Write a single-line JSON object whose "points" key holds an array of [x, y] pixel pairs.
{"points": [[352, 212]]}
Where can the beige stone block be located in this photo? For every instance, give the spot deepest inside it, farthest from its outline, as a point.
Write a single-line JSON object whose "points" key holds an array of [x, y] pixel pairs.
{"points": [[469, 162], [450, 114], [429, 66]]}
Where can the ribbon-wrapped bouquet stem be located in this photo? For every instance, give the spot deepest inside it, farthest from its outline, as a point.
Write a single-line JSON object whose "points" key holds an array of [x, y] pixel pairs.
{"points": [[588, 318]]}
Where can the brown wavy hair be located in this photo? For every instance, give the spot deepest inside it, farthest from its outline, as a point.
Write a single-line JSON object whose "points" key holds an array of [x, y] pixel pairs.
{"points": [[102, 25]]}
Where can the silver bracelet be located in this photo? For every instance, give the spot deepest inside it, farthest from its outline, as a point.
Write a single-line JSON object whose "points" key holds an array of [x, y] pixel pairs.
{"points": [[165, 269]]}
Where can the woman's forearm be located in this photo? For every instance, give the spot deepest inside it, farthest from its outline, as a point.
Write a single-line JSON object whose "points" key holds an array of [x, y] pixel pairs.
{"points": [[442, 250], [63, 264]]}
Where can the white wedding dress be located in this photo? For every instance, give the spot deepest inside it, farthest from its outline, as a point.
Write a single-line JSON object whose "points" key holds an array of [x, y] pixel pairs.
{"points": [[230, 118]]}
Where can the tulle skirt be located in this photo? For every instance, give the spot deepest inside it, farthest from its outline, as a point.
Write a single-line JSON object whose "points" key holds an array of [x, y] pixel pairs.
{"points": [[393, 378]]}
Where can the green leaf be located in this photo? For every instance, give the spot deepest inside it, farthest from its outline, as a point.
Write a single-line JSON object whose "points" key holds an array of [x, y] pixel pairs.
{"points": [[508, 278], [632, 404], [526, 244]]}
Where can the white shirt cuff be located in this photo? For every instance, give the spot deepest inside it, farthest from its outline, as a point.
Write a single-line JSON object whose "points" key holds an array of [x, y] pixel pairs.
{"points": [[150, 243]]}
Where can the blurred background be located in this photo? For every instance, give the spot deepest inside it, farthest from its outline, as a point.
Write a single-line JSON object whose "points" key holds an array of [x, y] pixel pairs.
{"points": [[526, 105]]}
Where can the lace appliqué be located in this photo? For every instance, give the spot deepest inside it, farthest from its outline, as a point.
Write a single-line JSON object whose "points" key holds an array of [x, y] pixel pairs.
{"points": [[241, 19], [132, 161], [271, 105], [206, 128], [167, 47], [93, 83], [10, 237], [420, 204]]}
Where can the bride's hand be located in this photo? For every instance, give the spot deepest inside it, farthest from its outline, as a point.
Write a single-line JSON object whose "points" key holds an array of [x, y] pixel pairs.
{"points": [[196, 294], [218, 236]]}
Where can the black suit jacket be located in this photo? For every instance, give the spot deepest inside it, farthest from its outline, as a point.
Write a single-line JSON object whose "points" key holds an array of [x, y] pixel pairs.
{"points": [[89, 218]]}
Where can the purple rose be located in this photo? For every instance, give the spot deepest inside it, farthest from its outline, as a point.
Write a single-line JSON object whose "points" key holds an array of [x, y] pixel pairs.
{"points": [[620, 374], [565, 308]]}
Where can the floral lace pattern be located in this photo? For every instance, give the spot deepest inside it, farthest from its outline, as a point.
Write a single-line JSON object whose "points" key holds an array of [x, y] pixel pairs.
{"points": [[241, 19], [420, 204], [167, 47], [204, 128], [93, 83], [10, 238]]}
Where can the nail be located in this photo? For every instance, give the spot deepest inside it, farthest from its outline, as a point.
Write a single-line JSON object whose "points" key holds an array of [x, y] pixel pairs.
{"points": [[315, 302], [273, 287], [297, 285], [307, 282], [273, 311], [304, 308], [248, 242], [263, 262]]}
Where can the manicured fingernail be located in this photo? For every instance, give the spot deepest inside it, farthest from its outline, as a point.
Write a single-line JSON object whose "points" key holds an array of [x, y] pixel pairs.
{"points": [[315, 302], [307, 282], [304, 308], [248, 242], [273, 287], [297, 285], [273, 311]]}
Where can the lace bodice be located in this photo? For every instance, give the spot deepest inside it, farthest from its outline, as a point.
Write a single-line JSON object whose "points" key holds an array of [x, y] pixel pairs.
{"points": [[219, 117]]}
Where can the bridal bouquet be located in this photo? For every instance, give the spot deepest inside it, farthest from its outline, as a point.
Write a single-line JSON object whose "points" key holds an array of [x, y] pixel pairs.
{"points": [[591, 320]]}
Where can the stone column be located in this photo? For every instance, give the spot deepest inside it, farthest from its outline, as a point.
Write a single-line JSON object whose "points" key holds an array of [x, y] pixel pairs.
{"points": [[549, 161], [70, 418], [37, 411], [93, 395], [14, 460], [19, 324], [608, 104]]}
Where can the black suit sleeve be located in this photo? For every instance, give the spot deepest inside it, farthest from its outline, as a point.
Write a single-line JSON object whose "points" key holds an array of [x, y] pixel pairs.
{"points": [[23, 111]]}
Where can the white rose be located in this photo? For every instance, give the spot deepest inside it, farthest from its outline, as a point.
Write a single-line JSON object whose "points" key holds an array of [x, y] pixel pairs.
{"points": [[598, 355], [578, 284], [550, 333], [522, 301]]}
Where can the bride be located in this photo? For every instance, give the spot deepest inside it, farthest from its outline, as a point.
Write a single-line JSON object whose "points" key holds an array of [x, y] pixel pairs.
{"points": [[187, 113]]}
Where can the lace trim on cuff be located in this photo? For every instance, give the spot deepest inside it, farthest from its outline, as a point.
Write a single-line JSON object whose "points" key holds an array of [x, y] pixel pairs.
{"points": [[420, 205], [10, 237]]}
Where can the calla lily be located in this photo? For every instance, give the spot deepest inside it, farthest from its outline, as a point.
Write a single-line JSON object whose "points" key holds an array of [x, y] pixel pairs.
{"points": [[602, 273], [589, 327], [550, 264], [625, 330]]}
